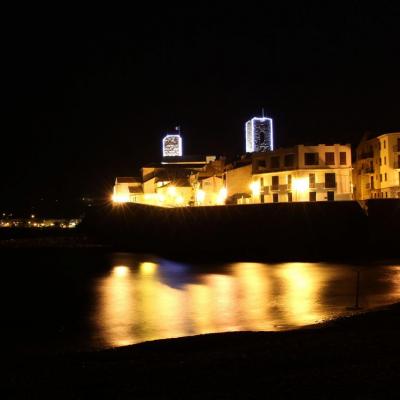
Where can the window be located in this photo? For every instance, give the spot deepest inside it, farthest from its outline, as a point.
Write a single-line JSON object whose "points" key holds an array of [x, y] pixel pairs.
{"points": [[275, 162], [289, 197], [330, 180], [289, 182], [311, 159], [385, 177], [380, 177], [262, 163], [384, 160], [275, 198], [313, 196], [262, 183], [384, 144], [330, 195], [329, 158], [312, 180], [289, 160], [380, 161], [343, 158], [262, 198], [275, 182]]}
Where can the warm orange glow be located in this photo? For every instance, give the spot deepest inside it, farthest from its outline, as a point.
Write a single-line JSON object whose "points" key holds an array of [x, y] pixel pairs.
{"points": [[161, 197], [223, 193], [200, 196], [120, 198], [120, 271], [300, 184], [302, 284], [171, 190], [179, 200], [147, 268], [255, 188]]}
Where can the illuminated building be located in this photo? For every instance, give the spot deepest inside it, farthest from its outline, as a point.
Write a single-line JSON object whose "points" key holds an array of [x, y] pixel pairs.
{"points": [[300, 173], [127, 189], [259, 135], [172, 144], [376, 172]]}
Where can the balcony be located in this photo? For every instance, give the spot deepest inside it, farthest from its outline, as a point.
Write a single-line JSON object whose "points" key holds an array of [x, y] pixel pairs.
{"points": [[330, 185], [396, 165], [274, 187], [396, 148]]}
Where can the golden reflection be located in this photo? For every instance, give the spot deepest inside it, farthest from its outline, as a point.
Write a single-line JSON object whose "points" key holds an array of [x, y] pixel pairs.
{"points": [[254, 290], [224, 300], [301, 283], [120, 271], [199, 301], [117, 303], [148, 268], [147, 300]]}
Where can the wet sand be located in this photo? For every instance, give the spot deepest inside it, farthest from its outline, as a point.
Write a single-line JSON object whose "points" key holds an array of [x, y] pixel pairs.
{"points": [[353, 357]]}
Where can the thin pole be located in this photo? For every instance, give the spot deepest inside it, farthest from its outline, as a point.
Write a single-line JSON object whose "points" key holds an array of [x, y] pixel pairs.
{"points": [[357, 289]]}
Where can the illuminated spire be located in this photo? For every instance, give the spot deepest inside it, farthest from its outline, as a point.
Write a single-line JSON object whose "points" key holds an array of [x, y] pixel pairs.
{"points": [[172, 144], [259, 134]]}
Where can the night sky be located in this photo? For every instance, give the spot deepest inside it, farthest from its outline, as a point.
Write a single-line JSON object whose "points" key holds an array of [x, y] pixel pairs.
{"points": [[87, 96]]}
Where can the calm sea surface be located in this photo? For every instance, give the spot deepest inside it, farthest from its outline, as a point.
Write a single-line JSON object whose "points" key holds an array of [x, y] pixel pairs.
{"points": [[71, 301]]}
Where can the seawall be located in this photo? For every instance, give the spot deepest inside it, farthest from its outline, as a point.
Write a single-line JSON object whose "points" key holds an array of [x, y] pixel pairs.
{"points": [[320, 230]]}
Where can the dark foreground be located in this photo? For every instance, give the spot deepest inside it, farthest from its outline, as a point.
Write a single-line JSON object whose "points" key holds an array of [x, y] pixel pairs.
{"points": [[356, 357]]}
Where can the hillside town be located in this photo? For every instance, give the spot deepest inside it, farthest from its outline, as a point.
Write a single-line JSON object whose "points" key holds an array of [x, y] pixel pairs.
{"points": [[320, 172]]}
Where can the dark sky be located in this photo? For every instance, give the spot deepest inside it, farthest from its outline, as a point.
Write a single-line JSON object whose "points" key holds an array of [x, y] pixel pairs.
{"points": [[88, 94]]}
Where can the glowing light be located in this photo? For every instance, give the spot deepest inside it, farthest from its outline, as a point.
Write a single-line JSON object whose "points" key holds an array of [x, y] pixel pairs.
{"points": [[172, 146], [255, 188], [259, 134], [200, 196], [171, 191], [179, 200], [120, 271], [222, 195], [120, 198], [147, 268], [300, 184], [33, 216]]}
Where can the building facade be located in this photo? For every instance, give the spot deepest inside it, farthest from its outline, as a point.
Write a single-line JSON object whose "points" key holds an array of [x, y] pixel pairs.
{"points": [[376, 171], [127, 189], [300, 173], [259, 135]]}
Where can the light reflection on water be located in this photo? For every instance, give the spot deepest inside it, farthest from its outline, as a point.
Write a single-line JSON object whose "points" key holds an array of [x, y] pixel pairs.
{"points": [[139, 301]]}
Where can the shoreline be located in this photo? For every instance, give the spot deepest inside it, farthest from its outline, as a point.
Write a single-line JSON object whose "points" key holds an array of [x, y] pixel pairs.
{"points": [[346, 357]]}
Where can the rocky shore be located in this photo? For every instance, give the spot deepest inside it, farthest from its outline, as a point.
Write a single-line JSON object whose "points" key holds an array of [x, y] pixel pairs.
{"points": [[354, 357]]}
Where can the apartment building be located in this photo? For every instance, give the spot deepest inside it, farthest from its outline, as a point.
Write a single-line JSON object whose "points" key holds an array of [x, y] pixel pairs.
{"points": [[302, 173], [376, 172]]}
